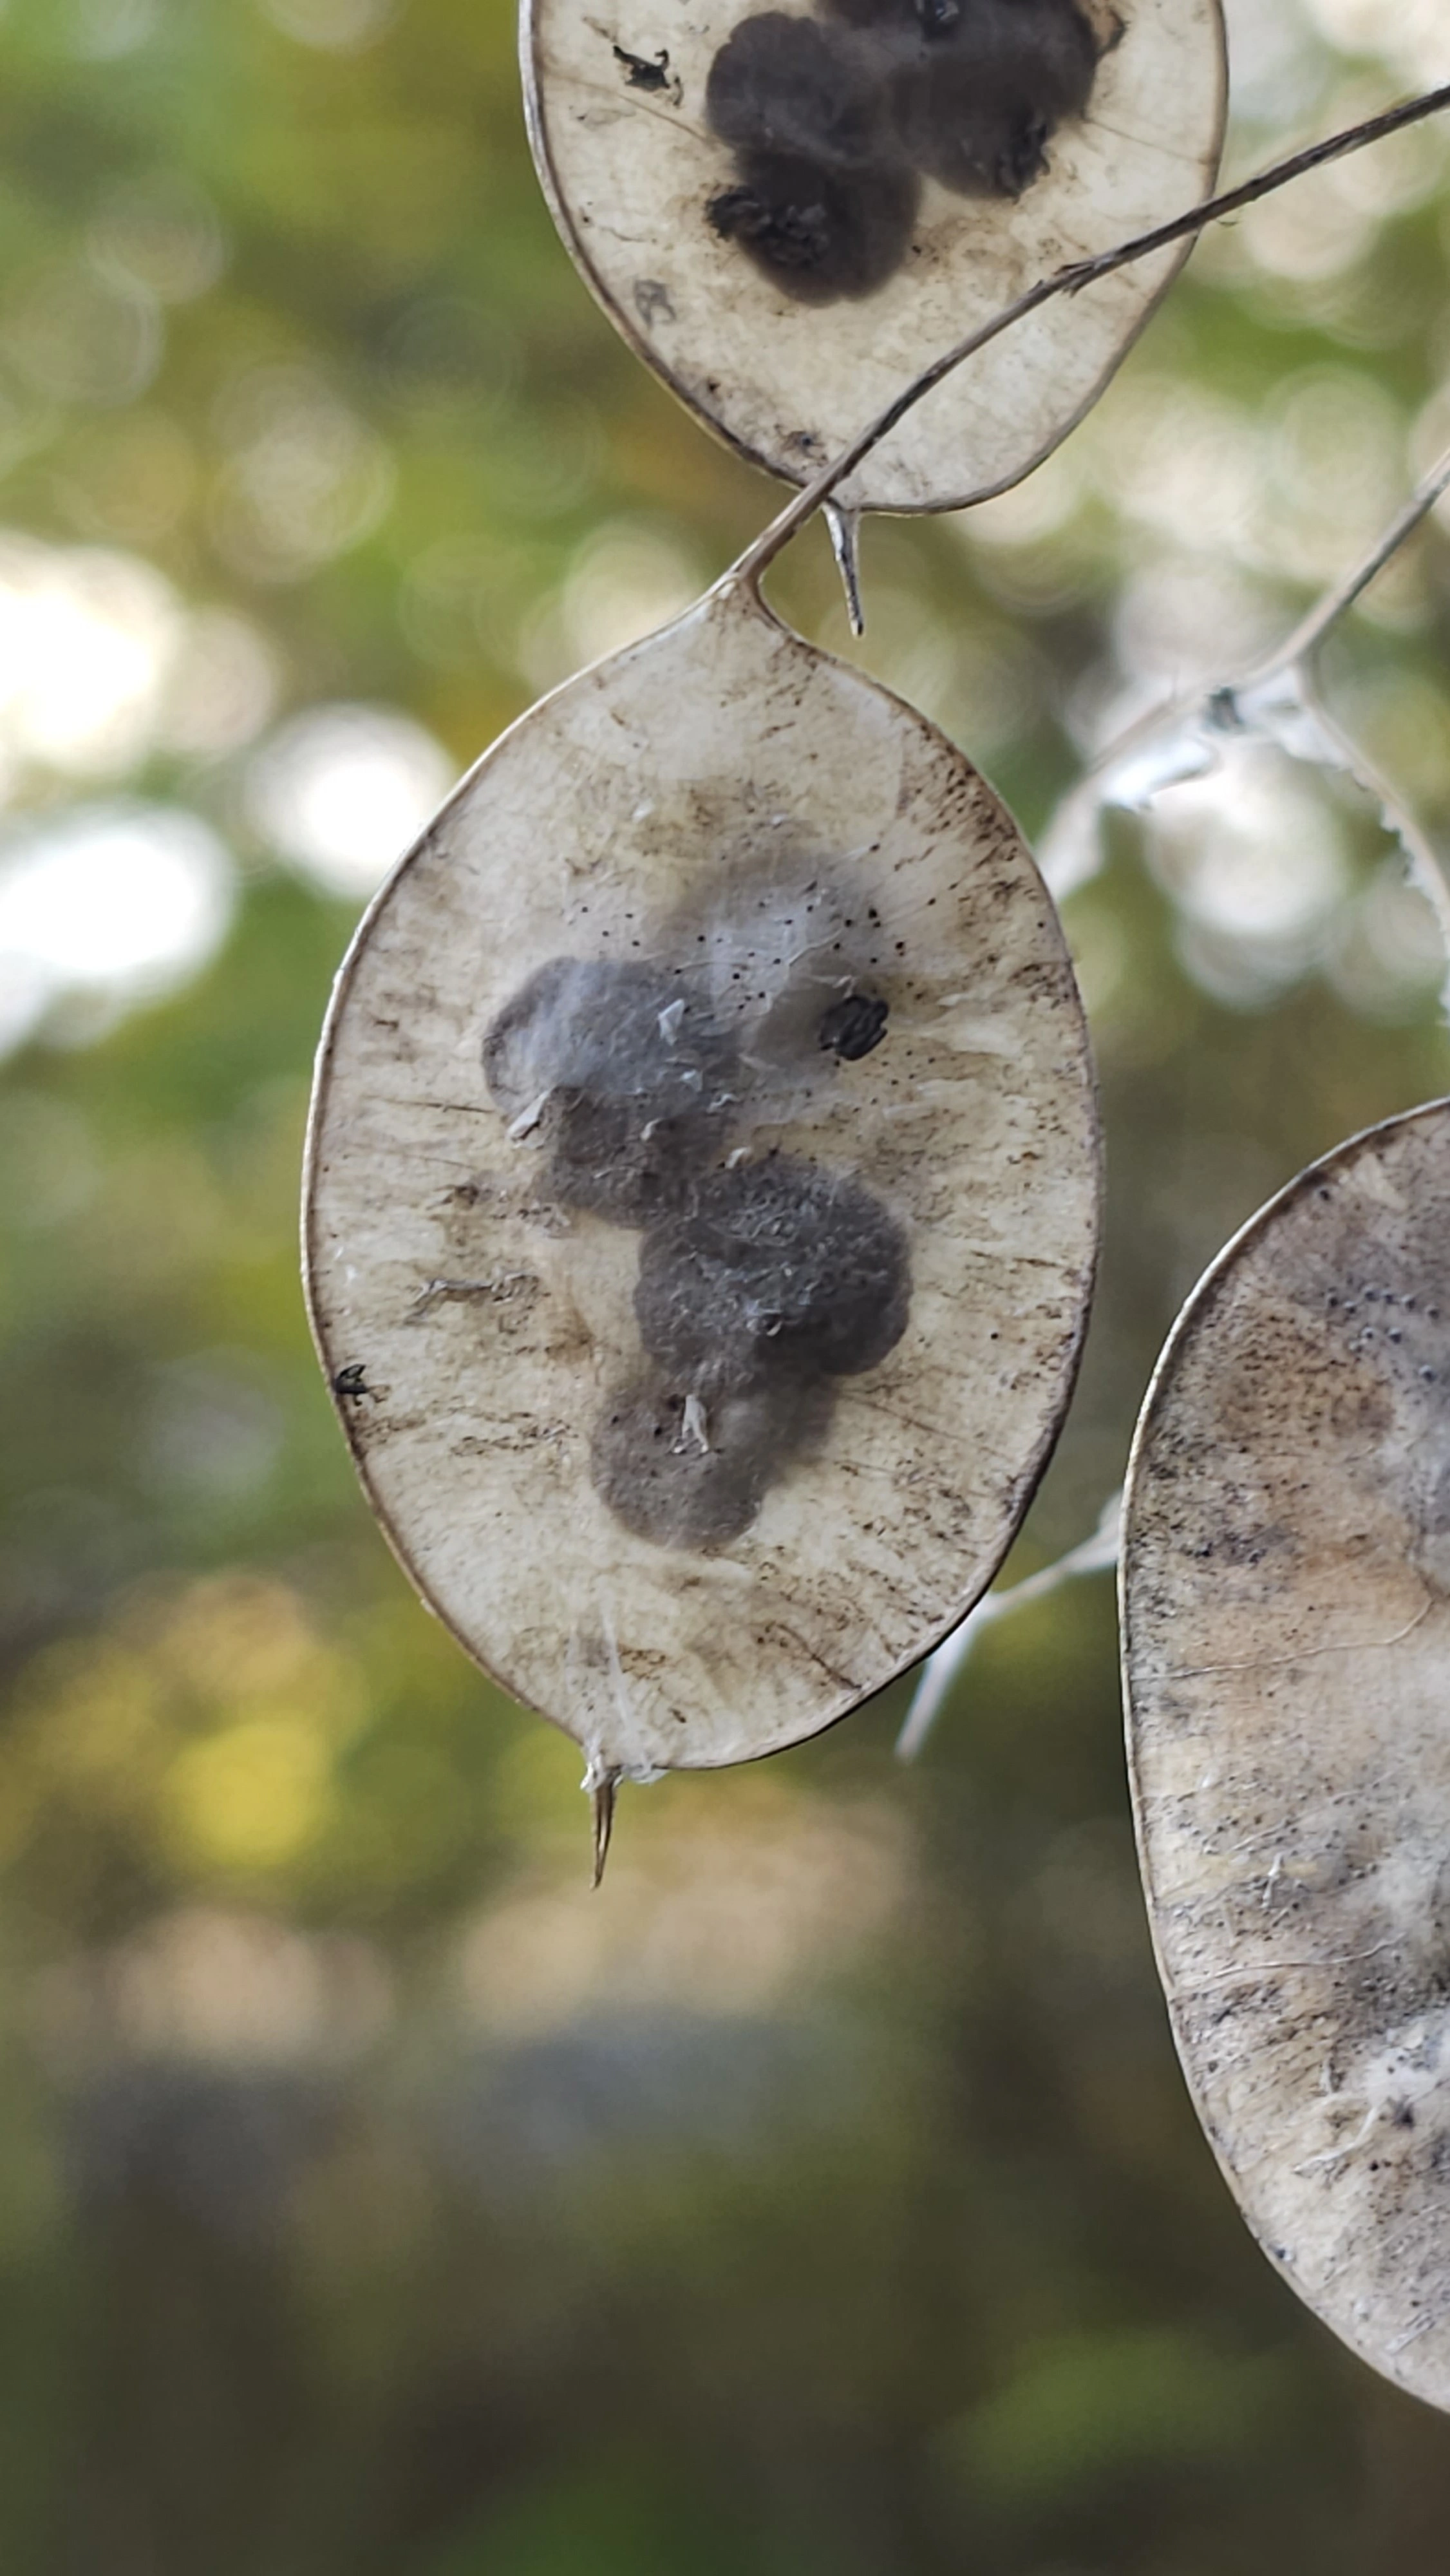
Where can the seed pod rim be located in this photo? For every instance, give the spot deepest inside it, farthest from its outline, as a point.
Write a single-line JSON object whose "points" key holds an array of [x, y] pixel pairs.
{"points": [[742, 596], [718, 423]]}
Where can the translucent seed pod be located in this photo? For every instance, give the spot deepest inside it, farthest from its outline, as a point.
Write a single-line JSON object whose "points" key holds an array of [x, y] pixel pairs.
{"points": [[790, 213], [1286, 1596], [702, 1195]]}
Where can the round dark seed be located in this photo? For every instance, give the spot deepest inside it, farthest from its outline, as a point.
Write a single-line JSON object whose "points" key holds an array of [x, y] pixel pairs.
{"points": [[683, 1475], [779, 1269], [620, 1073], [818, 234], [792, 86]]}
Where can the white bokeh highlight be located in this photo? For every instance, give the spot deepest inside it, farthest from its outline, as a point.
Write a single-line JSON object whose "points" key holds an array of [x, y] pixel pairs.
{"points": [[343, 791], [1254, 858], [110, 905], [102, 665]]}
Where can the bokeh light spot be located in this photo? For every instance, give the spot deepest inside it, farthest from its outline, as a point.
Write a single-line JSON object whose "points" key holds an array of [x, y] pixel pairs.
{"points": [[250, 1797], [343, 791], [118, 902]]}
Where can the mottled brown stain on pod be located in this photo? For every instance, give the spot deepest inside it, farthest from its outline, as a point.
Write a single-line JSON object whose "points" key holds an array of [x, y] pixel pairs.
{"points": [[1287, 1662]]}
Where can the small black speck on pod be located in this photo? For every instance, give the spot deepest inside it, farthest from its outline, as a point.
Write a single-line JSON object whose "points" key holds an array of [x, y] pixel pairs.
{"points": [[621, 1074], [683, 1476], [852, 1027], [819, 234], [776, 1270], [641, 72]]}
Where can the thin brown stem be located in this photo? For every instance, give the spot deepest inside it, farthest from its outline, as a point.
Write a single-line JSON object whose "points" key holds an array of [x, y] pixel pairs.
{"points": [[1327, 612], [1247, 703], [1294, 655], [1070, 281]]}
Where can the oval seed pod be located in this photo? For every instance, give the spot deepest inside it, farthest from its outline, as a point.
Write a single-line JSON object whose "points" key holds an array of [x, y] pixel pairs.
{"points": [[789, 214], [703, 1195], [1286, 1592]]}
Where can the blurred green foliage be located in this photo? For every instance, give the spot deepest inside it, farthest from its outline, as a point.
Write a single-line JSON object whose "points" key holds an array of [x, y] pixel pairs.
{"points": [[823, 2197]]}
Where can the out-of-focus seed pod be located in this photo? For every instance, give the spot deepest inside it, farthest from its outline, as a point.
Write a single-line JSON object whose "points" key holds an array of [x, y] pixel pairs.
{"points": [[703, 1194], [1286, 1592], [791, 212]]}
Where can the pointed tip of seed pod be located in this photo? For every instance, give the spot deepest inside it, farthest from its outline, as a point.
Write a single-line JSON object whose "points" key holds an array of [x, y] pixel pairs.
{"points": [[603, 1795], [845, 532]]}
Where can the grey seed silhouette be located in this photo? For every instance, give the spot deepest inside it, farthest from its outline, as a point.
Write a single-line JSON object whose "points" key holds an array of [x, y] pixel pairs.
{"points": [[1286, 1597], [617, 1072], [820, 234], [977, 106], [685, 1476], [778, 1269], [791, 86]]}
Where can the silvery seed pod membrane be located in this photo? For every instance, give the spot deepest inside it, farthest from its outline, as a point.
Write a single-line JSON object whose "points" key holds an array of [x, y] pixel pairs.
{"points": [[790, 213], [703, 1195], [1286, 1597]]}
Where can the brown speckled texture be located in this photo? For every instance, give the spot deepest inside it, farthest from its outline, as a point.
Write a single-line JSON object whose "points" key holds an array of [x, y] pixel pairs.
{"points": [[1287, 1645]]}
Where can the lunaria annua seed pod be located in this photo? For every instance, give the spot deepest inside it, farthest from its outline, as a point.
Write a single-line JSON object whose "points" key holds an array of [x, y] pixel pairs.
{"points": [[907, 165], [698, 1442], [1286, 1597]]}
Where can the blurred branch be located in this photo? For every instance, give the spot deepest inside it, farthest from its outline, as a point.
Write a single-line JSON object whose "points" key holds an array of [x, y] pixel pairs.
{"points": [[1310, 634], [1070, 281], [1278, 701], [941, 1671]]}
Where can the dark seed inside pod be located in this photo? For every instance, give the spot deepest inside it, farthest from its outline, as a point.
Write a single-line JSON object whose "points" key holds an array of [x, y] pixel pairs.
{"points": [[853, 1026], [975, 104], [620, 1074], [833, 125], [682, 1474], [819, 234], [776, 1270], [791, 86]]}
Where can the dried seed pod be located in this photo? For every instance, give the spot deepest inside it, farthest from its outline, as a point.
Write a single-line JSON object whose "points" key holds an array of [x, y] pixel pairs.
{"points": [[907, 165], [1286, 1599], [694, 1469]]}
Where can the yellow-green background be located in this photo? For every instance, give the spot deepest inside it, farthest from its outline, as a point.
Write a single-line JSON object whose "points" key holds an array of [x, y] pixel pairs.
{"points": [[822, 2200]]}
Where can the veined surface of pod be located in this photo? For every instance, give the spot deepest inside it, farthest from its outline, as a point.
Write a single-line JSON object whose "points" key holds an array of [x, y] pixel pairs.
{"points": [[1286, 1596], [789, 214], [702, 1195]]}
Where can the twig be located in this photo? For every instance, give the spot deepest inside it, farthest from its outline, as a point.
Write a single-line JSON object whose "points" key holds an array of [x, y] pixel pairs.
{"points": [[940, 1672], [1277, 701], [759, 555], [1308, 636], [1425, 866]]}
